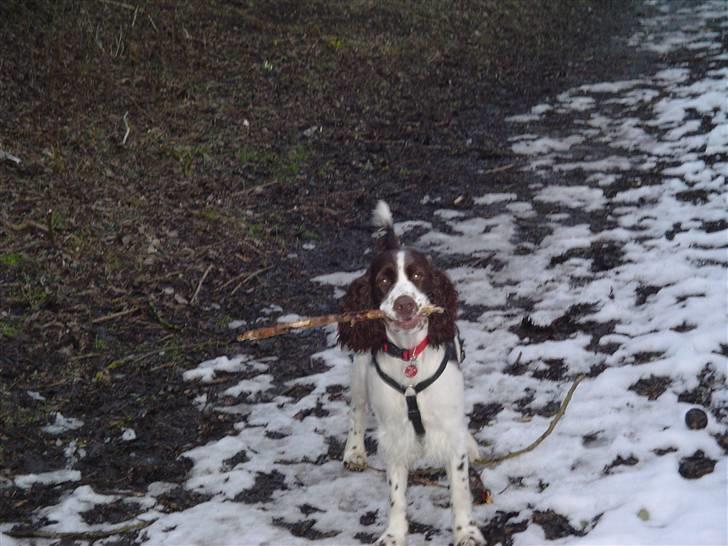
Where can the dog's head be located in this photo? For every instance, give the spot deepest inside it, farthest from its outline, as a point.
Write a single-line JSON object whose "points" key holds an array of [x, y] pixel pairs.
{"points": [[399, 282]]}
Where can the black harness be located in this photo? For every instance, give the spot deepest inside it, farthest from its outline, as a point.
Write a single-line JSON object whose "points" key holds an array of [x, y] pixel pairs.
{"points": [[452, 352]]}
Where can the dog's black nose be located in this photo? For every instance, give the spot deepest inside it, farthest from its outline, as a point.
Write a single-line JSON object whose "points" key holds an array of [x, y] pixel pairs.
{"points": [[405, 307]]}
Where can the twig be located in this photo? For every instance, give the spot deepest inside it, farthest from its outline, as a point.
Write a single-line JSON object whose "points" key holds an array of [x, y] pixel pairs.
{"points": [[313, 322], [535, 444], [247, 277], [152, 23], [9, 157], [116, 315], [160, 320], [28, 224], [250, 278], [80, 535], [199, 284], [118, 4], [126, 124], [500, 169]]}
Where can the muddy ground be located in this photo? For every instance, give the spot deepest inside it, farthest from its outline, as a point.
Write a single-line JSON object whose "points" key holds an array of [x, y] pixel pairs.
{"points": [[184, 164]]}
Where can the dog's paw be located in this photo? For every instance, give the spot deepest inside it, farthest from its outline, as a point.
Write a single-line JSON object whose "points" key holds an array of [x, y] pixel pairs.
{"points": [[355, 460], [469, 535], [390, 539]]}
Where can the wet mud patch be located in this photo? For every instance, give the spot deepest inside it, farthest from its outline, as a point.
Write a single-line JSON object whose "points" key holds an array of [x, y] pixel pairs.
{"points": [[696, 197], [604, 256], [517, 368], [18, 504], [304, 529], [560, 328], [554, 525], [298, 391], [484, 414], [643, 293], [714, 226], [316, 411], [179, 499], [366, 538], [335, 451], [369, 518], [645, 357], [266, 484], [709, 380], [531, 231], [620, 461], [239, 458], [113, 512], [294, 354], [555, 369], [631, 180], [598, 330], [523, 405], [501, 528], [696, 466], [417, 528], [651, 387]]}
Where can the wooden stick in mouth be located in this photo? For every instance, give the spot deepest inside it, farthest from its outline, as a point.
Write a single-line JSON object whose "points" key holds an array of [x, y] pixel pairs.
{"points": [[313, 322]]}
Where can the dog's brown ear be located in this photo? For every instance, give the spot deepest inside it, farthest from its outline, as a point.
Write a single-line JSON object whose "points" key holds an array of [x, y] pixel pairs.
{"points": [[366, 335], [442, 292]]}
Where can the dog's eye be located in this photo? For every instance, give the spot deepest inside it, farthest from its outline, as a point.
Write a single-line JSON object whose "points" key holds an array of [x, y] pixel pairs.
{"points": [[417, 276]]}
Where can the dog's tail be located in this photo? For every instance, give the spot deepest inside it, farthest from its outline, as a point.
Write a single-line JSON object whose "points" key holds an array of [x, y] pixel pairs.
{"points": [[384, 224]]}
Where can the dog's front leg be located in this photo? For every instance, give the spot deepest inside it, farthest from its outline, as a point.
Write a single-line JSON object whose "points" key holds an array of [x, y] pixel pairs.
{"points": [[355, 454], [396, 532], [464, 528]]}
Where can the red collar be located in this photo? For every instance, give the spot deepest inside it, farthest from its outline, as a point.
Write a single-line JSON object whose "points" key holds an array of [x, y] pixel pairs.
{"points": [[405, 354]]}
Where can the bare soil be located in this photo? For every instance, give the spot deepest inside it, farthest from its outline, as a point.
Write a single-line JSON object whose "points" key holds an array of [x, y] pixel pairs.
{"points": [[184, 164]]}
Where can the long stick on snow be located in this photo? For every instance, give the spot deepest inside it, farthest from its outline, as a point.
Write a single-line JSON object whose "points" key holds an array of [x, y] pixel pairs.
{"points": [[537, 442], [313, 322]]}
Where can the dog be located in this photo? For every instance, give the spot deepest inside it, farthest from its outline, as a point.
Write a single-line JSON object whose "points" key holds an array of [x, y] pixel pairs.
{"points": [[407, 368]]}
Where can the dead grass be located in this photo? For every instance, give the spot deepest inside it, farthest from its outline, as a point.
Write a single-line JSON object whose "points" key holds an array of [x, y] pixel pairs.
{"points": [[184, 147]]}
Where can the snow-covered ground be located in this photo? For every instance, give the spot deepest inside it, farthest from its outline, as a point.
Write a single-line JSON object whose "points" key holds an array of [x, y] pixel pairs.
{"points": [[632, 242]]}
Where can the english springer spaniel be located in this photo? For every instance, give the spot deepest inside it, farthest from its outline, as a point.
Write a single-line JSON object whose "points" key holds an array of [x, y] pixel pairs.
{"points": [[406, 367]]}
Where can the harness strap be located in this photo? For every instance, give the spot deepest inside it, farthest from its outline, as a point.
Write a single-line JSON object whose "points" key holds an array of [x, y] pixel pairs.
{"points": [[410, 392]]}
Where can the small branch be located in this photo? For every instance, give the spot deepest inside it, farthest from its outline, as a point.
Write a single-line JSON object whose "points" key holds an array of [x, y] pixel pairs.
{"points": [[9, 157], [313, 322], [245, 276], [126, 124], [28, 224], [160, 320], [113, 316], [535, 444], [118, 4], [500, 169], [80, 535], [199, 285], [249, 278], [152, 23]]}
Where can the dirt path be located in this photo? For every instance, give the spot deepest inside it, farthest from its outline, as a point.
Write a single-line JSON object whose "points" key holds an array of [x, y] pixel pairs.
{"points": [[202, 165]]}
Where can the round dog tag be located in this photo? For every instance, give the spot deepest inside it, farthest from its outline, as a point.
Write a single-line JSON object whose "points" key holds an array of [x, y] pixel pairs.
{"points": [[410, 370]]}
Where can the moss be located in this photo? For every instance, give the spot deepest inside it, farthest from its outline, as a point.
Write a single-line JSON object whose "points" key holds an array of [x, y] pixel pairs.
{"points": [[13, 259], [8, 329]]}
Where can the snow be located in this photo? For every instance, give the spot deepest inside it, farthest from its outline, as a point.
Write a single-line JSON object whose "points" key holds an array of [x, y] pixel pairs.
{"points": [[55, 476], [677, 331], [62, 424]]}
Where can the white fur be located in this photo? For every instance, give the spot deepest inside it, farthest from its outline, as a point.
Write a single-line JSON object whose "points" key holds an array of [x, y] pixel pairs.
{"points": [[402, 287], [446, 438], [382, 216]]}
